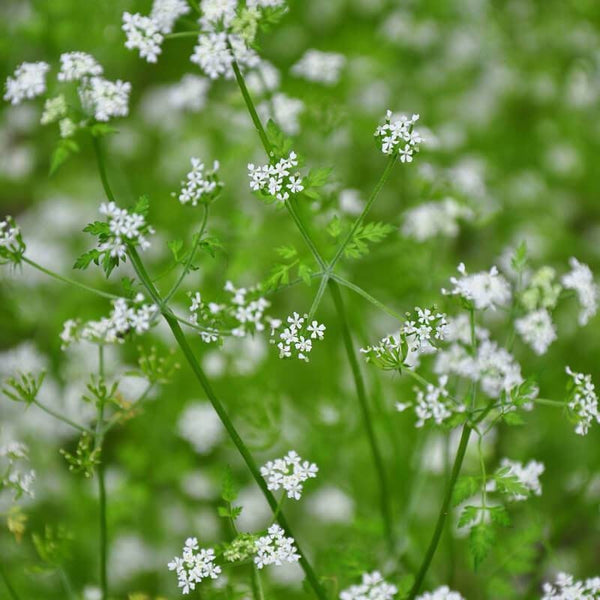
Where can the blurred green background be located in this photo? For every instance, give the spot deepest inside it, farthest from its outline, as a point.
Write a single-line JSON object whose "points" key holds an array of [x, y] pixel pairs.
{"points": [[508, 94]]}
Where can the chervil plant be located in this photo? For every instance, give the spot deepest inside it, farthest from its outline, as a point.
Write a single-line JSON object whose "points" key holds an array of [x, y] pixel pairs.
{"points": [[224, 319]]}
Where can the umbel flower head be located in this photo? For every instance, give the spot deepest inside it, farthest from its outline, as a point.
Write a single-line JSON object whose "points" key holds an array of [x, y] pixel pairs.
{"points": [[399, 137], [194, 565], [583, 401], [277, 181], [566, 587], [296, 339], [202, 185], [28, 81], [373, 586], [275, 548], [288, 473]]}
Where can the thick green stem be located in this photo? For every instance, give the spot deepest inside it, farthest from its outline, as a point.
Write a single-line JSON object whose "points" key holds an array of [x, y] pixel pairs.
{"points": [[441, 521], [224, 417], [382, 180], [11, 590], [257, 589], [384, 493]]}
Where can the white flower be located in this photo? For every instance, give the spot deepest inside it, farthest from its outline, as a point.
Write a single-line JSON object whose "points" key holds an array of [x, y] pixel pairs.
{"points": [[194, 566], [528, 475], [201, 185], [296, 338], [537, 330], [28, 81], [581, 280], [567, 588], [265, 3], [217, 12], [142, 33], [54, 109], [496, 369], [288, 473], [433, 403], [274, 548], [484, 289], [213, 56], [11, 475], [275, 179], [74, 66], [322, 67], [372, 587], [442, 593], [317, 330], [583, 401], [431, 219], [399, 137], [105, 99], [166, 12], [12, 246]]}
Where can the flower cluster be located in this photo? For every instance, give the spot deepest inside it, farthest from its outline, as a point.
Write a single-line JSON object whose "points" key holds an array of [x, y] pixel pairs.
{"points": [[399, 138], [105, 99], [277, 180], [215, 52], [125, 317], [75, 66], [245, 313], [537, 330], [433, 403], [581, 279], [296, 339], [421, 333], [567, 588], [373, 586], [144, 34], [165, 12], [484, 289], [275, 548], [583, 401], [321, 67], [28, 81], [528, 475], [202, 185], [194, 565], [431, 219], [12, 246], [124, 228], [442, 593], [288, 473], [11, 477]]}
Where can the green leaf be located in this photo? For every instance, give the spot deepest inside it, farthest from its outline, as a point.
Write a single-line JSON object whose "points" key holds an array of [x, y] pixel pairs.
{"points": [[286, 252], [513, 418], [499, 515], [228, 490], [175, 247], [334, 229], [304, 272], [142, 206], [481, 541], [97, 228], [465, 488], [279, 142], [371, 232], [318, 177], [101, 129], [84, 261], [468, 514], [280, 275], [211, 244], [63, 151], [509, 484]]}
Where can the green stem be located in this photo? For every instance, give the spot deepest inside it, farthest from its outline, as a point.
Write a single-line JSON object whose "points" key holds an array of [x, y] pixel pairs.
{"points": [[8, 584], [384, 493], [101, 484], [223, 416], [63, 279], [382, 180], [318, 297], [188, 264], [61, 418], [257, 588], [182, 34], [367, 296], [306, 235], [547, 402], [102, 168], [439, 528]]}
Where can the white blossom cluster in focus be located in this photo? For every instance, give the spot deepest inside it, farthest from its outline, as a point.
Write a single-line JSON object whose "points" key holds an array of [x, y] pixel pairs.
{"points": [[288, 473], [487, 289], [399, 137], [194, 565], [297, 337], [275, 548], [277, 180], [144, 34], [373, 586], [202, 185], [28, 81]]}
